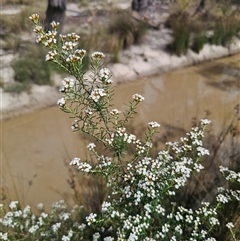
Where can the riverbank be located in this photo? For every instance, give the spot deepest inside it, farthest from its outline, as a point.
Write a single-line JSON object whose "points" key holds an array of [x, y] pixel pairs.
{"points": [[138, 61]]}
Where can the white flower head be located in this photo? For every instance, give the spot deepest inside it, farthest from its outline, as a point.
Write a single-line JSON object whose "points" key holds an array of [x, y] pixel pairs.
{"points": [[221, 198], [75, 161], [214, 221], [105, 206], [105, 75], [205, 121], [82, 226], [13, 204], [69, 46], [34, 17], [115, 112], [33, 229], [38, 29], [44, 215], [121, 131], [85, 167], [108, 238], [108, 81], [91, 146], [40, 206], [51, 55], [89, 111], [202, 151], [98, 55], [50, 42], [4, 236], [230, 225], [91, 218], [75, 125], [68, 82], [72, 58], [137, 97], [52, 35], [61, 102], [96, 94], [96, 236], [63, 37], [55, 24], [153, 124], [55, 227], [73, 36], [62, 89], [149, 144], [80, 52]]}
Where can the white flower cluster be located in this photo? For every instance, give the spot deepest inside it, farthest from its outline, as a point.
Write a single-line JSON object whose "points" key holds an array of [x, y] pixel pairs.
{"points": [[75, 125], [89, 111], [154, 124], [4, 236], [47, 226], [61, 102], [67, 237], [91, 146], [82, 166], [138, 97], [103, 163], [97, 93], [98, 55], [232, 176], [105, 75], [68, 83], [51, 55], [105, 206], [128, 139], [69, 43], [115, 112], [148, 178], [91, 218]]}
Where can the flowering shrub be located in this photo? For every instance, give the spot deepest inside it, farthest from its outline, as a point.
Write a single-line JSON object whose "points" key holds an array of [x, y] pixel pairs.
{"points": [[141, 203]]}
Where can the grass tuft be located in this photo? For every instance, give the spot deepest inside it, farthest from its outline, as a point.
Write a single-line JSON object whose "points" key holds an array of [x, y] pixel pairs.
{"points": [[31, 67]]}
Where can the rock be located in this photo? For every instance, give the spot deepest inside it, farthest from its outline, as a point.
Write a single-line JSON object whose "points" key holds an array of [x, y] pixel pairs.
{"points": [[18, 104], [10, 11], [72, 10], [122, 72], [7, 75], [7, 72], [57, 79], [150, 53], [194, 57], [136, 50], [141, 67], [162, 61], [217, 51], [6, 59], [234, 47], [179, 61], [123, 6]]}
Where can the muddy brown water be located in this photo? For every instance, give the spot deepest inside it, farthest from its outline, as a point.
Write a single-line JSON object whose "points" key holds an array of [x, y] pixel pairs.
{"points": [[34, 146]]}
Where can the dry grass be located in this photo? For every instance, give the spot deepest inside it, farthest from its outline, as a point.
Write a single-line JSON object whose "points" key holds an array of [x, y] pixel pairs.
{"points": [[190, 27], [18, 2], [109, 32], [181, 6]]}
